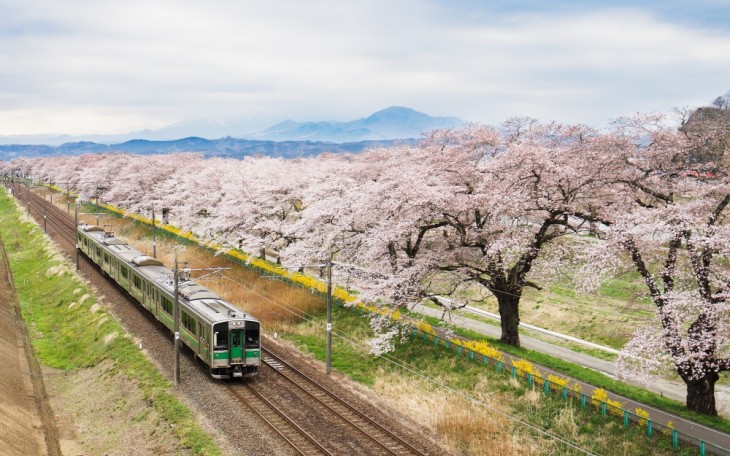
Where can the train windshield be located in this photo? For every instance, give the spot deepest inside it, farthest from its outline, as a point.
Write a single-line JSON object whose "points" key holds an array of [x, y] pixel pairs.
{"points": [[252, 335], [220, 336]]}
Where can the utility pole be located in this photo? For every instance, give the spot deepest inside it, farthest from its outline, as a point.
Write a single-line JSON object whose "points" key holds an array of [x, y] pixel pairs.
{"points": [[97, 210], [176, 373], [76, 224], [329, 313], [154, 241]]}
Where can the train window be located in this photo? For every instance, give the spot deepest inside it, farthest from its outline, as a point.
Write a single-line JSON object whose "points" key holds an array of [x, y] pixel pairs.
{"points": [[220, 340], [188, 322], [125, 272], [220, 336], [106, 257], [137, 282], [167, 305], [252, 338]]}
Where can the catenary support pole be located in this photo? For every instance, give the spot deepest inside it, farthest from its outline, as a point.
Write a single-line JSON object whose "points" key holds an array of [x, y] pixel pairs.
{"points": [[154, 240], [176, 373], [329, 314], [76, 224]]}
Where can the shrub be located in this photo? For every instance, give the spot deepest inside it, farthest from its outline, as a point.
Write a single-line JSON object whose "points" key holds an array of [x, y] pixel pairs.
{"points": [[601, 396], [557, 382], [525, 367], [425, 327], [483, 348], [643, 416]]}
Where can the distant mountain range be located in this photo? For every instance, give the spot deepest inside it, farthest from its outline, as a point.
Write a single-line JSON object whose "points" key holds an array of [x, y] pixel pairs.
{"points": [[391, 123], [225, 147], [387, 124]]}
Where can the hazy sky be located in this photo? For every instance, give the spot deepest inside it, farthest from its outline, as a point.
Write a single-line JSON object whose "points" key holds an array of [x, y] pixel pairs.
{"points": [[97, 66]]}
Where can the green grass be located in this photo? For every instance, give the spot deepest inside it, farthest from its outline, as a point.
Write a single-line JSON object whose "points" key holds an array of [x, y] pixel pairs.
{"points": [[67, 334], [594, 352]]}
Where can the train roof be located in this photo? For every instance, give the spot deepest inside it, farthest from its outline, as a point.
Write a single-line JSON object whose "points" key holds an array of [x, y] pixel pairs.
{"points": [[196, 297]]}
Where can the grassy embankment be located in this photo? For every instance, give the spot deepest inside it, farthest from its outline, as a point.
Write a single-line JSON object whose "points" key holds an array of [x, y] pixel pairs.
{"points": [[71, 330], [447, 405]]}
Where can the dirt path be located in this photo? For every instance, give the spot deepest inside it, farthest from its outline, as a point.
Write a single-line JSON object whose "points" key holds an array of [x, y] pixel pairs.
{"points": [[26, 418]]}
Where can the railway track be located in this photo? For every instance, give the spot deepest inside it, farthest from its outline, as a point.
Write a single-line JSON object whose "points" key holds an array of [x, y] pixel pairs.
{"points": [[384, 440], [46, 213], [300, 440], [362, 428]]}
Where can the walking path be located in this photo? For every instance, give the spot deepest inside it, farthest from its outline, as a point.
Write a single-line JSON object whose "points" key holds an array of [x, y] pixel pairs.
{"points": [[669, 389]]}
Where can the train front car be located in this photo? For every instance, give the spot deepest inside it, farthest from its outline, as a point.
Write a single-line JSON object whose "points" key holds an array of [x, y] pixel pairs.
{"points": [[236, 348], [233, 335], [224, 337]]}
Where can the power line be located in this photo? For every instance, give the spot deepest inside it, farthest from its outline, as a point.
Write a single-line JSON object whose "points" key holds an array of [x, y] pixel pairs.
{"points": [[402, 365]]}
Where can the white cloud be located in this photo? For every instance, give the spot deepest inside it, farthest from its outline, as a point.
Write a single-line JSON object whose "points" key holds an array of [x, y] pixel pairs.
{"points": [[91, 66]]}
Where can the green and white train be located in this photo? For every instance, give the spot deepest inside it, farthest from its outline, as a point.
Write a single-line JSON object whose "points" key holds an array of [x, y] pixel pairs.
{"points": [[224, 337]]}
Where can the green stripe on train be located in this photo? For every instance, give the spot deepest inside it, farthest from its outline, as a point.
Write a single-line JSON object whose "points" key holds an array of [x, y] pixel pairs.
{"points": [[249, 354]]}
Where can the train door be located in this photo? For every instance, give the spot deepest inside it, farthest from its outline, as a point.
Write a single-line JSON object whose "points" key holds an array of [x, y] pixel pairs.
{"points": [[201, 339], [236, 345], [148, 296]]}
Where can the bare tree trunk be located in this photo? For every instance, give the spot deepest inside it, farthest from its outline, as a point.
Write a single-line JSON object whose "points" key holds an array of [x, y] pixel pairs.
{"points": [[701, 394], [509, 313]]}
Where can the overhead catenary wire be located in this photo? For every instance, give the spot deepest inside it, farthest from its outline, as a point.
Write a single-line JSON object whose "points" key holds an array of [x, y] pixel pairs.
{"points": [[399, 363], [402, 365]]}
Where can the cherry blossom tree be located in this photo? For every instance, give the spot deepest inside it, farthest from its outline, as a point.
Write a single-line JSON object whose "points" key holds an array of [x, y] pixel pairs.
{"points": [[673, 224], [477, 207]]}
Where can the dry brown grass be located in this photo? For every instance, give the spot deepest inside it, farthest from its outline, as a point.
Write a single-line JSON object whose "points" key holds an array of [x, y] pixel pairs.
{"points": [[566, 423], [465, 427]]}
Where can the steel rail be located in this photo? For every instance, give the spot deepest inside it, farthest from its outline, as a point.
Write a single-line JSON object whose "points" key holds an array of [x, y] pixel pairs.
{"points": [[402, 447], [284, 420]]}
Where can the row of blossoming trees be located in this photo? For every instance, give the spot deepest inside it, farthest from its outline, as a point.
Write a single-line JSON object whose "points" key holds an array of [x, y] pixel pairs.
{"points": [[475, 211]]}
